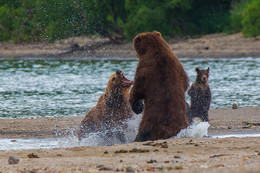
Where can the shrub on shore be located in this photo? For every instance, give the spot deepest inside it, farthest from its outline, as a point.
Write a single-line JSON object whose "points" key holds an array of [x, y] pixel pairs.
{"points": [[251, 20]]}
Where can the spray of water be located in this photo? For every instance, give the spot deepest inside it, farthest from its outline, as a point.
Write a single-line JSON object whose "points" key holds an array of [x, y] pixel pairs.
{"points": [[196, 130], [114, 136]]}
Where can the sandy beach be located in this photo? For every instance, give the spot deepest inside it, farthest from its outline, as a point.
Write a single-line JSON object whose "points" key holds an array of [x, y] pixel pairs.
{"points": [[172, 155]]}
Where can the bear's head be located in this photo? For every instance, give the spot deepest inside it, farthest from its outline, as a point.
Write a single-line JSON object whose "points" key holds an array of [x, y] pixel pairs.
{"points": [[118, 82], [146, 41], [202, 75]]}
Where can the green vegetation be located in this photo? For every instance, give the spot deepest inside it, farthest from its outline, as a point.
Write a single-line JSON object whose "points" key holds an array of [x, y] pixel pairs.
{"points": [[50, 20], [235, 17], [251, 19]]}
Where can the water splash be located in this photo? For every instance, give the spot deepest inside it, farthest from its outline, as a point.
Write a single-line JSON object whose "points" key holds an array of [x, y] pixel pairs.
{"points": [[132, 127], [196, 130], [114, 136]]}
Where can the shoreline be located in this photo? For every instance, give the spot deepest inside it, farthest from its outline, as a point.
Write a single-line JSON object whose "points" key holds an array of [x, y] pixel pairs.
{"points": [[222, 121], [117, 58], [175, 155], [208, 46]]}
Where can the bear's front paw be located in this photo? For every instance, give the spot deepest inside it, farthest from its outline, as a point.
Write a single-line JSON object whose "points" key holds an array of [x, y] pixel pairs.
{"points": [[137, 107]]}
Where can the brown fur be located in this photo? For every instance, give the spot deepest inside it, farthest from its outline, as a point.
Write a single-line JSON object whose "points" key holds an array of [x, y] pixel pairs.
{"points": [[160, 80], [200, 95], [112, 107]]}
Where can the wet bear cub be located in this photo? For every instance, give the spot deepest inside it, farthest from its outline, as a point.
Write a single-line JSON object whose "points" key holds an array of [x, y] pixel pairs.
{"points": [[111, 110], [200, 96]]}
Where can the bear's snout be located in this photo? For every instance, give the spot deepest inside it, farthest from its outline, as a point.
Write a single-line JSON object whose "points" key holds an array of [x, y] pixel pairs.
{"points": [[118, 72], [204, 78]]}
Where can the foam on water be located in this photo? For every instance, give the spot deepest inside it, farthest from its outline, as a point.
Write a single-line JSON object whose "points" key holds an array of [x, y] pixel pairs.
{"points": [[195, 130], [236, 136]]}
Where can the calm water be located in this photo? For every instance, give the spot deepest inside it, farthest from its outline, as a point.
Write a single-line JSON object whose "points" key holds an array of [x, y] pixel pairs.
{"points": [[69, 88]]}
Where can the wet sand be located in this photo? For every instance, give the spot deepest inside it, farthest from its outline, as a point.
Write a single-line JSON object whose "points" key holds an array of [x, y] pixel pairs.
{"points": [[172, 155]]}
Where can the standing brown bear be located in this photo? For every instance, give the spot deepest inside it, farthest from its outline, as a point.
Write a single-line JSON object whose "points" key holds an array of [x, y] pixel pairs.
{"points": [[160, 80], [200, 96], [111, 110]]}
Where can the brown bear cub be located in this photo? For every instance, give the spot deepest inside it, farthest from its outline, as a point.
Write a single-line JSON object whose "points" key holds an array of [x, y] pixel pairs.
{"points": [[160, 80], [200, 96], [112, 108]]}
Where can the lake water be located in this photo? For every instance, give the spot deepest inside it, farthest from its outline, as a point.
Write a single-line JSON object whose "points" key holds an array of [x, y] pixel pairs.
{"points": [[72, 87]]}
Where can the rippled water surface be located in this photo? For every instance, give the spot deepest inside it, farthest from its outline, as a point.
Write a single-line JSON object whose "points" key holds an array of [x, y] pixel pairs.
{"points": [[71, 87]]}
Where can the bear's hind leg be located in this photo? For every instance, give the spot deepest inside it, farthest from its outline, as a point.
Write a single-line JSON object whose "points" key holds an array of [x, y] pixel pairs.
{"points": [[143, 135], [188, 114], [205, 117]]}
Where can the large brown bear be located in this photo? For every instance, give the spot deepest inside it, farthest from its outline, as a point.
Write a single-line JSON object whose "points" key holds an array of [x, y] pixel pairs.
{"points": [[161, 82], [112, 108], [200, 96]]}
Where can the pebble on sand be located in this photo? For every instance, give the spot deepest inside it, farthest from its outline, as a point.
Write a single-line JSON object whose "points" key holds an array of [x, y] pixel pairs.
{"points": [[234, 106], [13, 160], [130, 169]]}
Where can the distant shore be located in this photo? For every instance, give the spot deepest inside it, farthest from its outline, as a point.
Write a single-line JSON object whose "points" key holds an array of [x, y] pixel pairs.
{"points": [[209, 46]]}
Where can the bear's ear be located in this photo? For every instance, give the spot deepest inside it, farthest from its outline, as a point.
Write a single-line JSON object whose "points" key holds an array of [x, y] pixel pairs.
{"points": [[197, 70], [208, 69], [157, 33], [137, 39]]}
